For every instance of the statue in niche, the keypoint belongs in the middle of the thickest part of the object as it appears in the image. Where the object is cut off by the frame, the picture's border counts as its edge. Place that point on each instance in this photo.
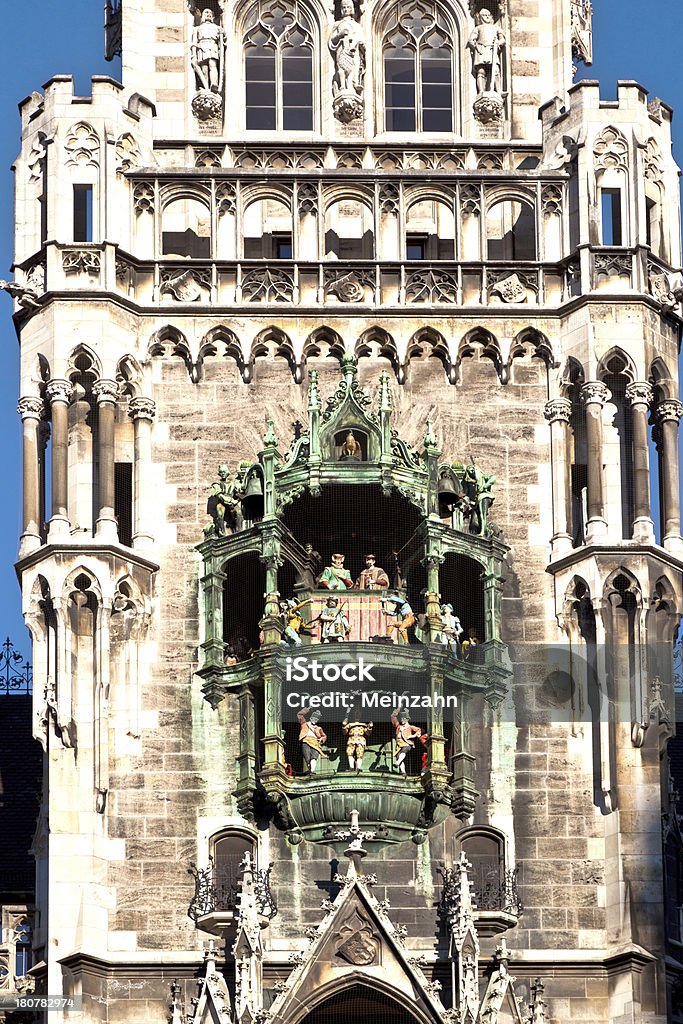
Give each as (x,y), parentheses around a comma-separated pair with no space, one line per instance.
(294,625)
(312,737)
(356,742)
(351,449)
(406,734)
(451,629)
(207,56)
(223,504)
(486,44)
(347,46)
(479,489)
(371,577)
(399,617)
(335,626)
(335,576)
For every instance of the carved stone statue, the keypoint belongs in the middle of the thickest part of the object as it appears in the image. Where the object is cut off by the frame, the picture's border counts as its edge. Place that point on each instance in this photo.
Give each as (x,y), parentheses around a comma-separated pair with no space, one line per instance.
(311,736)
(207,54)
(351,449)
(372,577)
(347,46)
(486,44)
(356,741)
(399,617)
(335,625)
(335,576)
(479,489)
(223,504)
(406,734)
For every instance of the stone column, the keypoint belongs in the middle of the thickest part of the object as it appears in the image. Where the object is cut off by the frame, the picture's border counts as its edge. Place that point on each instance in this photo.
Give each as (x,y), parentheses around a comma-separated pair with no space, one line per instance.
(640,396)
(106,392)
(31,410)
(59,394)
(142,411)
(558,412)
(595,394)
(668,414)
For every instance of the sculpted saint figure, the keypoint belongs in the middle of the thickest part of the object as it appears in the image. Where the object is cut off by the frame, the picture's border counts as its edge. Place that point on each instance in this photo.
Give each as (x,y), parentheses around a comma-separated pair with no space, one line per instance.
(356,741)
(311,736)
(347,46)
(486,43)
(207,53)
(372,577)
(335,576)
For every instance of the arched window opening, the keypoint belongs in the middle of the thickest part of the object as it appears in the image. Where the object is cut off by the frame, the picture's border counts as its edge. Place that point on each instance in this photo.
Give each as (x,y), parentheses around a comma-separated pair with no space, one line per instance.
(430,231)
(278,64)
(243,591)
(485,851)
(511,231)
(460,580)
(186,229)
(22,949)
(124,459)
(618,443)
(577,457)
(267,230)
(418,69)
(227,853)
(83,482)
(349,231)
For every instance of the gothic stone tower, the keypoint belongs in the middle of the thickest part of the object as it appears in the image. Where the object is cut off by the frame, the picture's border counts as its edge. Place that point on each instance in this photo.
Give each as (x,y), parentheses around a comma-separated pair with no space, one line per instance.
(416,292)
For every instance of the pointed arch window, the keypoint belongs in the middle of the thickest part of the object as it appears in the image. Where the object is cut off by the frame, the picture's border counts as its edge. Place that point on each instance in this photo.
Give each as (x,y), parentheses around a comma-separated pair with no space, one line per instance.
(418,69)
(278,65)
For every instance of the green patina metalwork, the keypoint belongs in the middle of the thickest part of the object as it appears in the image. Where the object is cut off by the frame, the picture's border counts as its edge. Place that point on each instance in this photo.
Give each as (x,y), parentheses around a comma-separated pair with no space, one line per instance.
(397,807)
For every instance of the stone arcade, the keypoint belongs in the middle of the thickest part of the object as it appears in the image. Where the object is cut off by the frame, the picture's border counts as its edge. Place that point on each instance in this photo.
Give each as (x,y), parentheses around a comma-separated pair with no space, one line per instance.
(345,328)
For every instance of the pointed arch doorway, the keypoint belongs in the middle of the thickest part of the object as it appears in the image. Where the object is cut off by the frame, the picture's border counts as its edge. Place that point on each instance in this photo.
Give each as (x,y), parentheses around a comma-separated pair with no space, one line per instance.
(359,1004)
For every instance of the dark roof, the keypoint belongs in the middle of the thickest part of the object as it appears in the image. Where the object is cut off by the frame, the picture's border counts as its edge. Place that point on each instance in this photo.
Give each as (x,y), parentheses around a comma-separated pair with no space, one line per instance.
(20,783)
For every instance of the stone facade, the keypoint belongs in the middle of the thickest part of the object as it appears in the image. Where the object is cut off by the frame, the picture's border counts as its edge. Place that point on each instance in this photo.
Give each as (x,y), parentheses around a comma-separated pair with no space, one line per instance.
(213,267)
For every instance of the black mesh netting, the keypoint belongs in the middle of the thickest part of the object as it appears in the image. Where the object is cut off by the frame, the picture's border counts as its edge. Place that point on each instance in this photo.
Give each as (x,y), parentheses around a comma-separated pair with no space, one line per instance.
(360,1005)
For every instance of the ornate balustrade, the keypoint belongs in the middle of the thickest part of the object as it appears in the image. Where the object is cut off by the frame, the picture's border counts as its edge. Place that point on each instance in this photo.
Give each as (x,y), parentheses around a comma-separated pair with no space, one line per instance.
(360,284)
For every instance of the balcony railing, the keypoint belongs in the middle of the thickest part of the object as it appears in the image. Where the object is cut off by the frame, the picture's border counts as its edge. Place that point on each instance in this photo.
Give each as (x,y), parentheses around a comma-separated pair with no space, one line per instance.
(16,675)
(217,891)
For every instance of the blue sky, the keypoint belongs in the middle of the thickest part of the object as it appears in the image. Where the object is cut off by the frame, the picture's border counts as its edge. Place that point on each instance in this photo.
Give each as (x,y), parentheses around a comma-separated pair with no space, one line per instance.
(47,38)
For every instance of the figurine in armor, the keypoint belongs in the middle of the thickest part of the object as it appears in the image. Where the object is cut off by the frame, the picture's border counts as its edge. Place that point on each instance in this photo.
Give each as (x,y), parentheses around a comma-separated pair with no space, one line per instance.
(406,734)
(399,617)
(485,45)
(313,559)
(335,576)
(451,629)
(334,623)
(312,737)
(295,626)
(371,577)
(356,741)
